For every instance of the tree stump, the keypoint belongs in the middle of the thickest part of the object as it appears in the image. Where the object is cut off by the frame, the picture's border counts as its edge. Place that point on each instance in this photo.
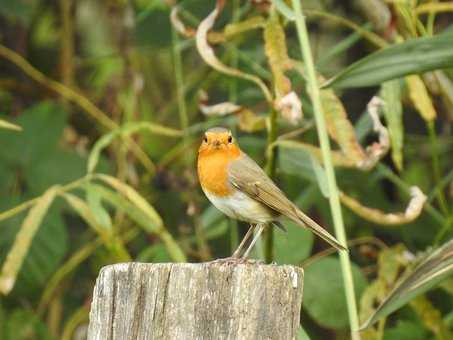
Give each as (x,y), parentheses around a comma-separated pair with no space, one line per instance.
(196,301)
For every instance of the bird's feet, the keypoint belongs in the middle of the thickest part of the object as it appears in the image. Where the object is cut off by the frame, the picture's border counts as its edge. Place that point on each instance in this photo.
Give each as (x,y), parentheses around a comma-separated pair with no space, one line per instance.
(236,260)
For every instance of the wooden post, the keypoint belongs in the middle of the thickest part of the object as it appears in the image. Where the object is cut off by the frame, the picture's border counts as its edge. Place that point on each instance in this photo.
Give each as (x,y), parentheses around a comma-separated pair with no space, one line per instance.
(183,301)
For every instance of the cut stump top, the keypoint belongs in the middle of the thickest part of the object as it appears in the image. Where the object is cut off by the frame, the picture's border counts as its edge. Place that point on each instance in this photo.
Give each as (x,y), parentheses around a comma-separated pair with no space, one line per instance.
(211,300)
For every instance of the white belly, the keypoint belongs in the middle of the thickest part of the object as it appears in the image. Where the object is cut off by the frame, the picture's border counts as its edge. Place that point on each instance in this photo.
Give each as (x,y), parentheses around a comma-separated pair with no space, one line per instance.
(242,207)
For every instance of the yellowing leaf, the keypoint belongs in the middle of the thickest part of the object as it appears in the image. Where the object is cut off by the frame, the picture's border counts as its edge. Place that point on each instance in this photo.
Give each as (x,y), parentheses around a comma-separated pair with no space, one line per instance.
(84,211)
(420,97)
(132,195)
(249,121)
(339,126)
(122,202)
(393,112)
(125,131)
(10,126)
(24,238)
(433,7)
(277,54)
(243,26)
(434,268)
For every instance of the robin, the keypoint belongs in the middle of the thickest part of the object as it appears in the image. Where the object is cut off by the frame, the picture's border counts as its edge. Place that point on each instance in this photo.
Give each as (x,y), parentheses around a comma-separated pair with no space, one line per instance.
(238,187)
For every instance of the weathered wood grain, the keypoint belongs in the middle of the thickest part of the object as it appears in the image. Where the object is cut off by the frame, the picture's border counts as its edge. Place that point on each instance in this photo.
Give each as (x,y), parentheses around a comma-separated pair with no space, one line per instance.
(196,301)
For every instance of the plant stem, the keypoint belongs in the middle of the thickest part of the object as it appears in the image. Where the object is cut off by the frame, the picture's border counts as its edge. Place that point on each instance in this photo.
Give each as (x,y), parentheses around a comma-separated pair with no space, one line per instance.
(184,123)
(270,169)
(183,118)
(234,54)
(334,199)
(436,167)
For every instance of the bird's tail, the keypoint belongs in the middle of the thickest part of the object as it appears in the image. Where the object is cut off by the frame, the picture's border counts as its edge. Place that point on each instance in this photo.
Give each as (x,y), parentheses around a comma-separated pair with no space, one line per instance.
(307,222)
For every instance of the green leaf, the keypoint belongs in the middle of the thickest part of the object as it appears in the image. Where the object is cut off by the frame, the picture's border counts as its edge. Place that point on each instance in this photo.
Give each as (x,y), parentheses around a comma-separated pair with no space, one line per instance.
(431,271)
(293,246)
(155,19)
(405,330)
(24,324)
(55,167)
(393,112)
(410,57)
(302,335)
(84,211)
(47,250)
(42,126)
(23,241)
(320,176)
(324,298)
(21,10)
(296,161)
(155,253)
(100,214)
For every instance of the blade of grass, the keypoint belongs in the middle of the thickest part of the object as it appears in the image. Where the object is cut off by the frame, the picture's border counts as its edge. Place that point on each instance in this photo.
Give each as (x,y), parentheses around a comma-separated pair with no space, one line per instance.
(10,126)
(341,47)
(330,173)
(413,56)
(177,64)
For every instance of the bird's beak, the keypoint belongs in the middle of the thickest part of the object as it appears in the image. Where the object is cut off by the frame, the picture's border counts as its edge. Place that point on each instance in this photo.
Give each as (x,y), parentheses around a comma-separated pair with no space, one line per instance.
(217,144)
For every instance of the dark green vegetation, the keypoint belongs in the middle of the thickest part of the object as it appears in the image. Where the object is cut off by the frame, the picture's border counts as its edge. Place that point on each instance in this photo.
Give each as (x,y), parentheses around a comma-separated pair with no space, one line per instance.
(102,106)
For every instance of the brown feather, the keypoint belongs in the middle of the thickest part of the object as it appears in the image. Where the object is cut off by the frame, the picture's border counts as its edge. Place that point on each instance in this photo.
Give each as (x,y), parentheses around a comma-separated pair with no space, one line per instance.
(247,176)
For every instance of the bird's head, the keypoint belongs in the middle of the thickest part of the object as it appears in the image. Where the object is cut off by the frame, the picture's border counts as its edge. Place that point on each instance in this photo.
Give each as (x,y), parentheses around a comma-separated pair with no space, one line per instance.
(218,140)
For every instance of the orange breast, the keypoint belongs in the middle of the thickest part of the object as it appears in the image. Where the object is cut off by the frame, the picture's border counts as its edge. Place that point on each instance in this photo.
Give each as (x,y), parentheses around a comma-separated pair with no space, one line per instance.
(212,171)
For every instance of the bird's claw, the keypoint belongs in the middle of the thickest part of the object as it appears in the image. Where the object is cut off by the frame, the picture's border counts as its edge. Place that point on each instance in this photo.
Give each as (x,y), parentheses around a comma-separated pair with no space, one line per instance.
(236,260)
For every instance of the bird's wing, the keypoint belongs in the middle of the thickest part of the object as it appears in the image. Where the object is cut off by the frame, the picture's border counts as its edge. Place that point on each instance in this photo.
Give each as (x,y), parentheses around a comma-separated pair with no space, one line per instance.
(247,176)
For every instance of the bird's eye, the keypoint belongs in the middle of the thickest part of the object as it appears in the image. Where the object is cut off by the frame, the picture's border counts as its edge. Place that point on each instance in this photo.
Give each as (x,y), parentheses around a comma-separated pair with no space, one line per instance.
(230,139)
(205,139)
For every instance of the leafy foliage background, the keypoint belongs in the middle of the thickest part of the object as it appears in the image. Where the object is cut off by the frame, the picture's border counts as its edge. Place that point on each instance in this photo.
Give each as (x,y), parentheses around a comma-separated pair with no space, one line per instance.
(110,87)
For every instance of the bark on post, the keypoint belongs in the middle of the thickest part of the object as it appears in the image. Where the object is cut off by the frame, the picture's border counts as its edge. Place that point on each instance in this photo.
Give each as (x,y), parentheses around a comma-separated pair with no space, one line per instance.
(196,301)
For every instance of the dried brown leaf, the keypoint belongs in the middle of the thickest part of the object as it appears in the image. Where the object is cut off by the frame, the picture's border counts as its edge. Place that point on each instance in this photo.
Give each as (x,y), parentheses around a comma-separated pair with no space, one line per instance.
(413,210)
(290,107)
(208,55)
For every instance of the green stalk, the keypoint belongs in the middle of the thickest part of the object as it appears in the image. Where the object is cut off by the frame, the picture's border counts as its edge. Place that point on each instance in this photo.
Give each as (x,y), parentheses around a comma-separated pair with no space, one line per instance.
(270,169)
(234,55)
(234,230)
(436,167)
(430,22)
(183,118)
(330,173)
(184,123)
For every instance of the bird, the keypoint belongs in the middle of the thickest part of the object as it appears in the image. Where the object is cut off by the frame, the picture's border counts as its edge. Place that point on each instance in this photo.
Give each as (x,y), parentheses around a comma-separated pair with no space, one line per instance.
(236,185)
